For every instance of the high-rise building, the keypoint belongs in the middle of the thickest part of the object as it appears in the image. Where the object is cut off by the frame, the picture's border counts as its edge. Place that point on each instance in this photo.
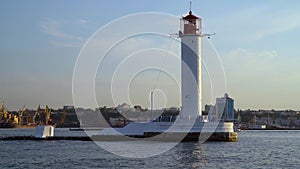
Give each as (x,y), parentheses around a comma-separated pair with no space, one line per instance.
(225,108)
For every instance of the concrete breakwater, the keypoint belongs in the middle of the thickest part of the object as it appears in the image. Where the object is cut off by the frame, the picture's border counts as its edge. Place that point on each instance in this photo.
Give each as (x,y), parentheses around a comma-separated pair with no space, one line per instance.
(164,137)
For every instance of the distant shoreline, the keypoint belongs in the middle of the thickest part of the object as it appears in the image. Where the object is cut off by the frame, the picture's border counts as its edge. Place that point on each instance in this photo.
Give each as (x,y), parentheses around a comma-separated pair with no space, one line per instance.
(279,129)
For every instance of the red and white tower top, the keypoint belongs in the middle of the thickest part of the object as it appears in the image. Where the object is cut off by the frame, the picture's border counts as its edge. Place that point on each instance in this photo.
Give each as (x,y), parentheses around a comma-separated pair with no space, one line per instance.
(190,25)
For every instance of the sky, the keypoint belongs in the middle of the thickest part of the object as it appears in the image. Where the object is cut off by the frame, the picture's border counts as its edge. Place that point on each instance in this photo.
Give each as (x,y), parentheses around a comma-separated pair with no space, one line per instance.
(257,42)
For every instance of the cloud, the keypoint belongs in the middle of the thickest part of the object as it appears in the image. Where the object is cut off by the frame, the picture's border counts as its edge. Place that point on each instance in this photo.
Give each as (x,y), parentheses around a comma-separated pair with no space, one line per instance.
(54,28)
(278,22)
(270,67)
(246,66)
(66,44)
(258,21)
(83,21)
(244,56)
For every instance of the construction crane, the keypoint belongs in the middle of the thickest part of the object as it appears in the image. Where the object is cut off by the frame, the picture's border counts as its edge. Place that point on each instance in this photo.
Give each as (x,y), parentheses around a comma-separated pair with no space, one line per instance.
(20,115)
(48,113)
(35,114)
(4,111)
(63,116)
(6,116)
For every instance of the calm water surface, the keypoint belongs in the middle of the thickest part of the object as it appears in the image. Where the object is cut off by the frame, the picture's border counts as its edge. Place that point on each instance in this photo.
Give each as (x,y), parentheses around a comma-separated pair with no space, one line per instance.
(255,149)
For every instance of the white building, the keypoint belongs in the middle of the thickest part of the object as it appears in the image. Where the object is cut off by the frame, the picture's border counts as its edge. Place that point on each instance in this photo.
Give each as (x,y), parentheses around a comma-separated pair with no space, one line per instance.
(223,109)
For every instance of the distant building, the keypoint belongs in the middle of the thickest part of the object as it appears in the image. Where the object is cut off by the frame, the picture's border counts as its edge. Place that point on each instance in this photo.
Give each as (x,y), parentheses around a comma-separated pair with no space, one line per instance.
(262,126)
(124,106)
(229,108)
(68,108)
(212,113)
(207,108)
(223,110)
(173,109)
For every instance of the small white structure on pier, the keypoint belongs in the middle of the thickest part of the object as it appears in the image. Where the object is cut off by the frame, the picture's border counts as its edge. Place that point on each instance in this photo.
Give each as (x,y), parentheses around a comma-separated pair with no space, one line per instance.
(44,131)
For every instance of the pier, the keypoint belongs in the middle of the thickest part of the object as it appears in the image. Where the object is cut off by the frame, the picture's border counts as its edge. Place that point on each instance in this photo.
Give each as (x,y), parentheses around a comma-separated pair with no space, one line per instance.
(162,137)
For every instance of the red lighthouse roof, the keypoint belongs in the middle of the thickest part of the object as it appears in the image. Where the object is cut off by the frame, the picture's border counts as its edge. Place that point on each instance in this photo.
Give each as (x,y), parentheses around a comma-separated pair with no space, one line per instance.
(190,16)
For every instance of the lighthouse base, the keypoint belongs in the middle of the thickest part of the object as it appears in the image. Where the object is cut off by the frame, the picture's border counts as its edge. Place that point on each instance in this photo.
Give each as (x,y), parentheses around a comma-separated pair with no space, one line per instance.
(162,131)
(191,137)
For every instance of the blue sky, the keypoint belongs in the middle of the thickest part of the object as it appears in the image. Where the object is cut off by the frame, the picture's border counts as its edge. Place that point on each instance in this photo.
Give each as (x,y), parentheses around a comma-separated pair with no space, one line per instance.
(257,42)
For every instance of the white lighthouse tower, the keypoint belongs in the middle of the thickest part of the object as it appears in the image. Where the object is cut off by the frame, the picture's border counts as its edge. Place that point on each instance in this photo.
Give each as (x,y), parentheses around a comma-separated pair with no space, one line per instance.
(189,127)
(191,88)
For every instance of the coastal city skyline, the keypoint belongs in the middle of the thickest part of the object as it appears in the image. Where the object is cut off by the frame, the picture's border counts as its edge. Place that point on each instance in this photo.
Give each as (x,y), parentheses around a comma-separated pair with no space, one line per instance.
(255,41)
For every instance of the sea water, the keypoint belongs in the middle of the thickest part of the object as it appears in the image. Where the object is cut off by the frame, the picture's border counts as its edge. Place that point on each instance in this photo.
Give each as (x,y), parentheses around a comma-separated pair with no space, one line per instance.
(255,149)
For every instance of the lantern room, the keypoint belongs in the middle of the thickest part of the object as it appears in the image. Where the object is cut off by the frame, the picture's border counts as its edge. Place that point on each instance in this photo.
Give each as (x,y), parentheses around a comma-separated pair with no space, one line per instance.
(190,25)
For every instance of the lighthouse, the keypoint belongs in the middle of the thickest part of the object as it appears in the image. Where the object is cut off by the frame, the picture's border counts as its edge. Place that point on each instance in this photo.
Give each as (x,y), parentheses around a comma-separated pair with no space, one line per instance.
(191,88)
